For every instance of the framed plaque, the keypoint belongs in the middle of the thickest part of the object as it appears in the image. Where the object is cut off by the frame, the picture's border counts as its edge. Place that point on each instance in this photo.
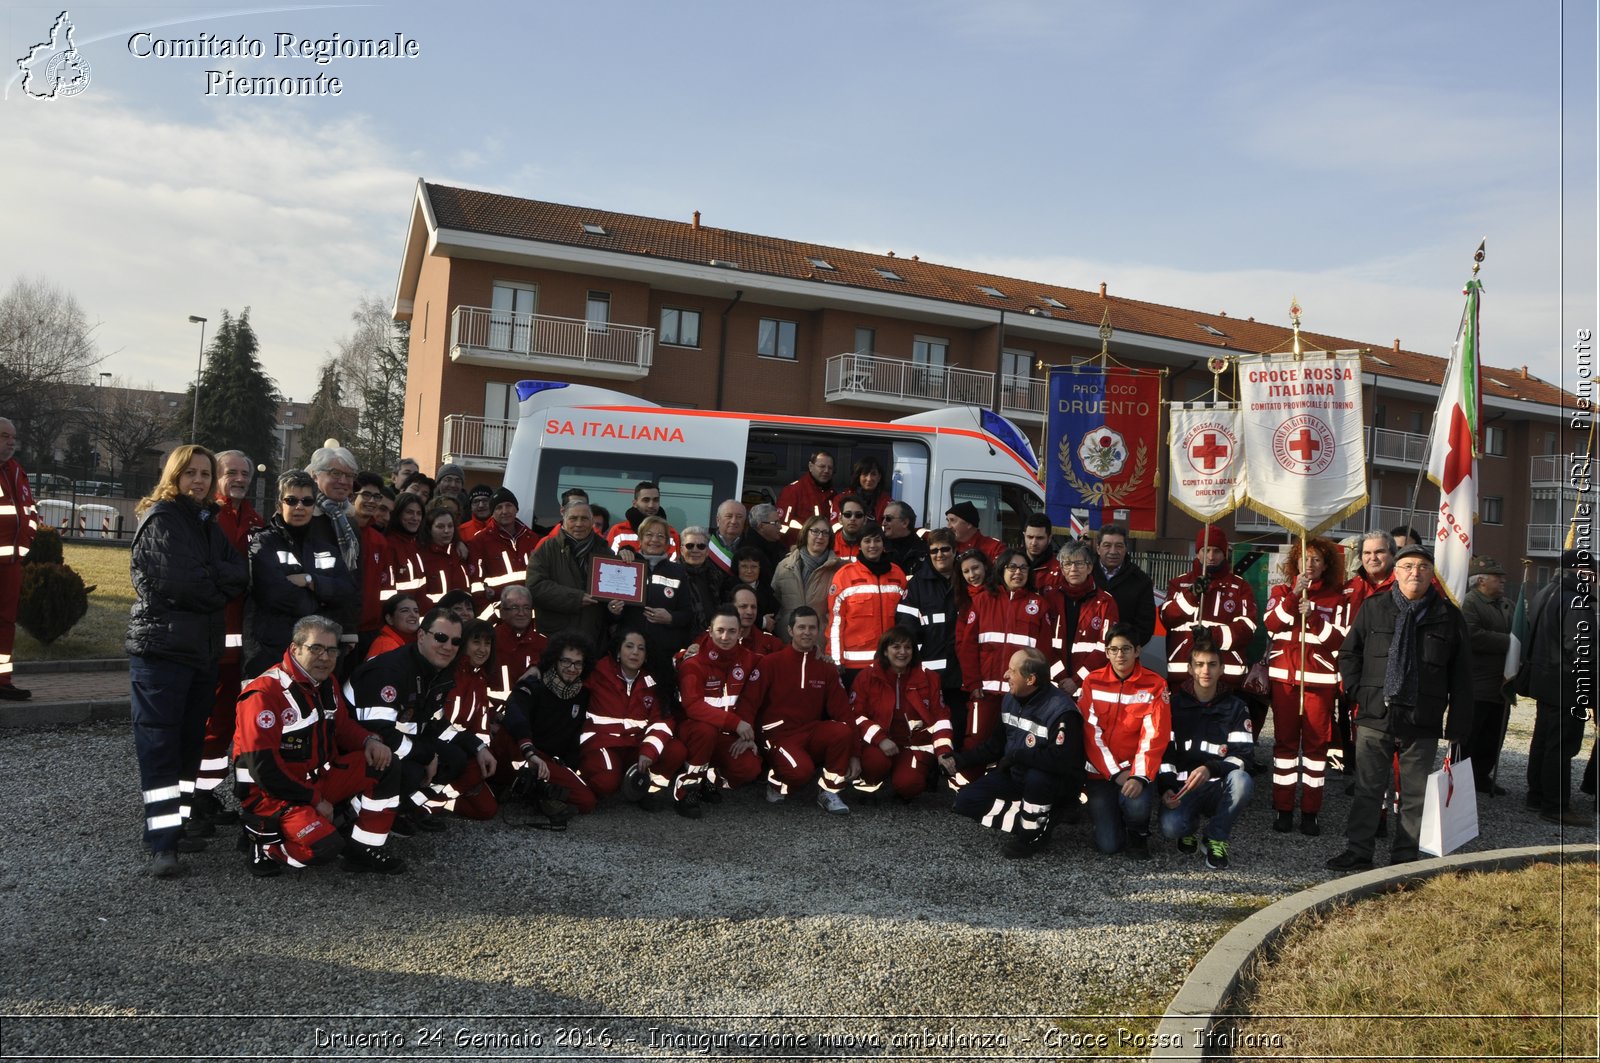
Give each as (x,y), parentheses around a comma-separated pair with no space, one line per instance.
(611,579)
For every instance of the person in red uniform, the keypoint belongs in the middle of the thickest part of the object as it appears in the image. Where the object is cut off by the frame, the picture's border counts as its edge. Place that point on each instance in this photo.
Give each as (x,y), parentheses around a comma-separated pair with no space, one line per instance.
(1209,595)
(809,496)
(1127,725)
(862,603)
(852,520)
(801,716)
(298,755)
(1003,618)
(19,520)
(1086,613)
(468,710)
(406,575)
(1307,617)
(500,550)
(377,558)
(962,519)
(624,534)
(480,506)
(1044,568)
(237,518)
(442,566)
(401,618)
(718,725)
(628,733)
(517,643)
(901,719)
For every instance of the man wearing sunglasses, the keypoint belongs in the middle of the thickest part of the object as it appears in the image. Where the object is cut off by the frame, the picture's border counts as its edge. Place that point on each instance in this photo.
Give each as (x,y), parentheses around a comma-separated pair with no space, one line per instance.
(402,696)
(299,755)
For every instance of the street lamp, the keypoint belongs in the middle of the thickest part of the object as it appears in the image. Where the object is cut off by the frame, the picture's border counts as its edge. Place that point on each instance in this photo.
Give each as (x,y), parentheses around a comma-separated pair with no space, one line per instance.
(194,417)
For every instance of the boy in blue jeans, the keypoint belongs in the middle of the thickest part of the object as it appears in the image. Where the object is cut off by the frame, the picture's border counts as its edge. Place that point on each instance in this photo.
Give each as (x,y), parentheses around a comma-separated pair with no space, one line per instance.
(1206,767)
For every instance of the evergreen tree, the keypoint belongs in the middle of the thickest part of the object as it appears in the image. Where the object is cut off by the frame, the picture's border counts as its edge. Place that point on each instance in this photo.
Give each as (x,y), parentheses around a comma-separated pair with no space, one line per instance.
(326,417)
(383,402)
(238,400)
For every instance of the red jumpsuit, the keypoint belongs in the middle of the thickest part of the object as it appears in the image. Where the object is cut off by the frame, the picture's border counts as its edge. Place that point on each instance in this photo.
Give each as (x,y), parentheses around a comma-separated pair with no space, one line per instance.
(1304,655)
(800,718)
(626,718)
(715,686)
(993,629)
(236,522)
(296,746)
(500,560)
(466,708)
(1227,608)
(861,607)
(909,711)
(802,500)
(514,654)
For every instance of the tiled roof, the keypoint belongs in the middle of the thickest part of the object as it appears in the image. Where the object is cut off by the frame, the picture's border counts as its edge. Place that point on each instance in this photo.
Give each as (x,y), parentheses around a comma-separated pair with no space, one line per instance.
(530,219)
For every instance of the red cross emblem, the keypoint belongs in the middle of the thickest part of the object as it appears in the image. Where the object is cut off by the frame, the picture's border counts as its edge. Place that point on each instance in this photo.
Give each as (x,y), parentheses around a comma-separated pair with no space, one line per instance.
(1210,452)
(1305,446)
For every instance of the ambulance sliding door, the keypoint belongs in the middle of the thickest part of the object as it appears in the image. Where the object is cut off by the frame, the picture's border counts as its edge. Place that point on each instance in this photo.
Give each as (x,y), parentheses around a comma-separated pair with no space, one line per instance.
(690,488)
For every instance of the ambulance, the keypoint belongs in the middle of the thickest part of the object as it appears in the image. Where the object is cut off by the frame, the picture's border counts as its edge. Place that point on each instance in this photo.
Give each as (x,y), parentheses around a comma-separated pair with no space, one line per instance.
(605,442)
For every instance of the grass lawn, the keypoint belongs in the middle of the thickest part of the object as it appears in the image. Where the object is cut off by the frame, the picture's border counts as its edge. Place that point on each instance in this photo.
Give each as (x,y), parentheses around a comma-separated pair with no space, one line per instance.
(1484,965)
(101,631)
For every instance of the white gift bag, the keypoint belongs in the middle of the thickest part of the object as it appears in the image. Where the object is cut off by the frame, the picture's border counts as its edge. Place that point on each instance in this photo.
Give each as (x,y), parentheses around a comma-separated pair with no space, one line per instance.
(1450,809)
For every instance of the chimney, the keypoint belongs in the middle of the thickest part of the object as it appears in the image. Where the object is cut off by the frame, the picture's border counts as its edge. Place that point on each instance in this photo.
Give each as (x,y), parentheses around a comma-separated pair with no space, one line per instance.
(1102,289)
(1397,345)
(697,219)
(1249,319)
(1222,313)
(1524,372)
(891,254)
(916,258)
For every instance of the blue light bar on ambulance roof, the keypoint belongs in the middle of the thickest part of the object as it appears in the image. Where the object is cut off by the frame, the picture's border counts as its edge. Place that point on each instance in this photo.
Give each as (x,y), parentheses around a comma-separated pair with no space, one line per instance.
(1008,434)
(533,387)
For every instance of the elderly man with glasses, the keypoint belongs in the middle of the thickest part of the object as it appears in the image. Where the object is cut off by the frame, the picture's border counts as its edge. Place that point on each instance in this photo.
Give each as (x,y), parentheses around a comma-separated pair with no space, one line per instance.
(334,469)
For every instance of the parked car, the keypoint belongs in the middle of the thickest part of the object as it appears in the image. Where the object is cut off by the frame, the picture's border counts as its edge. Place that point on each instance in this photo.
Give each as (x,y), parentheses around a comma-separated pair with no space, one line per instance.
(96,487)
(49,485)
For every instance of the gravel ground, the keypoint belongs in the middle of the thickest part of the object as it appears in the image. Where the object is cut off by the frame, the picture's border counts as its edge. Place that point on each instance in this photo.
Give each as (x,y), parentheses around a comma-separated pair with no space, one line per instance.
(758,931)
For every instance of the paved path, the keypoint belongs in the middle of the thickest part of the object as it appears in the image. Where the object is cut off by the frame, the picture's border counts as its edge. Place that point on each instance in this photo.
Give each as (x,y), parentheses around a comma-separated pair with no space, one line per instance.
(72,692)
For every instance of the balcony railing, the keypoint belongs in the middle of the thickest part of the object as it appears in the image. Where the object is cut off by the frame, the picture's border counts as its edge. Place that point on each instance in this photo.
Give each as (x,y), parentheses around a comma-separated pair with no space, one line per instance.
(483,336)
(1249,521)
(1558,470)
(1023,397)
(477,441)
(1388,447)
(874,381)
(1546,538)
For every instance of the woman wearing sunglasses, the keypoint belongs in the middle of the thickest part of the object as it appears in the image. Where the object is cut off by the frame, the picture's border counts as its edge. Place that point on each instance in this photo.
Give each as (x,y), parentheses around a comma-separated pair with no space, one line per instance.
(295,570)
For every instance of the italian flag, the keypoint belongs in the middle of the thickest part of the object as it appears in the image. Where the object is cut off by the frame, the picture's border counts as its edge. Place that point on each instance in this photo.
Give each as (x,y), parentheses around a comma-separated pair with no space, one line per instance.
(1453,456)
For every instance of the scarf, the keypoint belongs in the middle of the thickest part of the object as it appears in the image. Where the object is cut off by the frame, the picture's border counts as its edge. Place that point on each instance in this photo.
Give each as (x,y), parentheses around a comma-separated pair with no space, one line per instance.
(1087,589)
(1400,673)
(880,567)
(579,547)
(810,562)
(349,541)
(564,691)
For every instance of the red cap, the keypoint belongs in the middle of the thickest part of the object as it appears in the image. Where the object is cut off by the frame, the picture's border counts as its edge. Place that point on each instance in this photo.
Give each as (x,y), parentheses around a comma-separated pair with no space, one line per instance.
(1210,535)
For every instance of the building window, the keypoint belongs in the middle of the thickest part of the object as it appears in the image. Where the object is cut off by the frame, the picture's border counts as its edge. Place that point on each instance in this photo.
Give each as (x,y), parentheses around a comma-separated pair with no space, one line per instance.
(1380,415)
(597,311)
(1491,509)
(500,401)
(511,310)
(1419,422)
(926,350)
(866,340)
(681,328)
(776,339)
(1494,441)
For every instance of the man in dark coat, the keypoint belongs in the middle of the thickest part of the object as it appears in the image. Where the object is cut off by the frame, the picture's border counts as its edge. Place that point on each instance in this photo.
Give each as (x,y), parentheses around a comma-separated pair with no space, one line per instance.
(558,578)
(1562,649)
(1126,582)
(1488,617)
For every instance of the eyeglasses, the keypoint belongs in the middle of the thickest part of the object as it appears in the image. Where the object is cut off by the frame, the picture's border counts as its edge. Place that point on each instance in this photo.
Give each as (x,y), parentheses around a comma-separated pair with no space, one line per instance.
(370,496)
(441,638)
(294,500)
(1080,563)
(853,515)
(939,550)
(319,650)
(1119,650)
(568,662)
(507,607)
(337,474)
(694,546)
(1016,568)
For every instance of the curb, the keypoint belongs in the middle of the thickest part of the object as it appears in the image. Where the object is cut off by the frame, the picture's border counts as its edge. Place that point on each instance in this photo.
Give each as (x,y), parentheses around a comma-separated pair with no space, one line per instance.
(101,664)
(40,716)
(1196,1023)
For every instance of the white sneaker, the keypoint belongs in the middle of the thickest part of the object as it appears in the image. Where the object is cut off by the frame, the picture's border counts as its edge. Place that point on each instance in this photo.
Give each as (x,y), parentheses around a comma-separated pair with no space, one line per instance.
(831,803)
(775,796)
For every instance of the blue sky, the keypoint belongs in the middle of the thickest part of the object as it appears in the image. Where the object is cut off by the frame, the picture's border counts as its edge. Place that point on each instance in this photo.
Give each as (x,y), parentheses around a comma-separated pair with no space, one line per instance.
(1222,157)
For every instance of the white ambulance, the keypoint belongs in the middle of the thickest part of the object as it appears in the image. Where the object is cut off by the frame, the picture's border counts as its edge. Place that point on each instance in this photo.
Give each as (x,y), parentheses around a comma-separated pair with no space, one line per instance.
(605,442)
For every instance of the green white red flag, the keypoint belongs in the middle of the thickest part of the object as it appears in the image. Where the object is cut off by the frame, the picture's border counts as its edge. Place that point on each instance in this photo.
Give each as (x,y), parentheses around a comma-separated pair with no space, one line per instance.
(1453,455)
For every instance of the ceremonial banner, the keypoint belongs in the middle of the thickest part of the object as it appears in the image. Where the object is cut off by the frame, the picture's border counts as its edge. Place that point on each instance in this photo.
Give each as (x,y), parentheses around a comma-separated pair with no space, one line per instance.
(1102,433)
(1453,456)
(1306,451)
(1206,462)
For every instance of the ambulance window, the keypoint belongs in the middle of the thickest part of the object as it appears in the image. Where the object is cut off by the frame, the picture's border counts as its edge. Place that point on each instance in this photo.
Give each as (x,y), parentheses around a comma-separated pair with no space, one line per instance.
(690,491)
(1002,508)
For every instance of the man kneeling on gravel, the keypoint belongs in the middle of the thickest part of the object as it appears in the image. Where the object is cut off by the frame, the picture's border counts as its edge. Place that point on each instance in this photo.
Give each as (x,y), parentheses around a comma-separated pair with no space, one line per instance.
(1206,768)
(1039,749)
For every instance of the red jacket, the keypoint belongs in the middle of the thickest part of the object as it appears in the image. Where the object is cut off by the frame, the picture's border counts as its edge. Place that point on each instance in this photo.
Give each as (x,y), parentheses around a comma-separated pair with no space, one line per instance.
(500,559)
(990,547)
(713,685)
(467,707)
(799,502)
(861,607)
(236,522)
(471,527)
(406,575)
(1127,723)
(289,729)
(995,626)
(845,549)
(19,518)
(755,640)
(443,572)
(907,709)
(388,639)
(1309,653)
(514,654)
(623,537)
(797,690)
(376,573)
(1084,648)
(1227,609)
(623,714)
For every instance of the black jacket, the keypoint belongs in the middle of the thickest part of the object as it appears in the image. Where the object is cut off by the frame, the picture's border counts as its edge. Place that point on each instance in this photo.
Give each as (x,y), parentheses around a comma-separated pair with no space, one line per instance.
(665,587)
(402,698)
(1212,734)
(554,725)
(1444,680)
(184,572)
(1044,733)
(277,552)
(1135,596)
(1562,644)
(928,609)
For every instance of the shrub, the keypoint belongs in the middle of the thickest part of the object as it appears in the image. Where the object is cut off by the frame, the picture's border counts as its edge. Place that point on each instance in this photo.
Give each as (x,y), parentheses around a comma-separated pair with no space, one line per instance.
(53,599)
(46,548)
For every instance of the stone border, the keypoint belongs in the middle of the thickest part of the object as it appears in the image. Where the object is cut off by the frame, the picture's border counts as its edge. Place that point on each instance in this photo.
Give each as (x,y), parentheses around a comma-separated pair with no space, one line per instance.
(98,664)
(1203,1001)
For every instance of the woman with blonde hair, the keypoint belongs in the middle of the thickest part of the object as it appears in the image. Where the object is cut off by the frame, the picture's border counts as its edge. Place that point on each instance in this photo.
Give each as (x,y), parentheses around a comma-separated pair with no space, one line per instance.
(804,576)
(184,573)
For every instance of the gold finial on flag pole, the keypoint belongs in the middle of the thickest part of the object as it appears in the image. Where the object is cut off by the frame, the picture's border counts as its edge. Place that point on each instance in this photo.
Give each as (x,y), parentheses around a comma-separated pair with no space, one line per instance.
(1294,319)
(1105,336)
(1478,255)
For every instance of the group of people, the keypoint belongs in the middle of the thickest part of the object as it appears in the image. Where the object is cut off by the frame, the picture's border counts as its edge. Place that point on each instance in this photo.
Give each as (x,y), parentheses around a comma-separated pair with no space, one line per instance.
(373,657)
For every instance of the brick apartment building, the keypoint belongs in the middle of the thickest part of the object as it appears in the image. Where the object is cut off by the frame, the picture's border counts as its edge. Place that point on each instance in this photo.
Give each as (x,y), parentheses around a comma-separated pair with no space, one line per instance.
(499,289)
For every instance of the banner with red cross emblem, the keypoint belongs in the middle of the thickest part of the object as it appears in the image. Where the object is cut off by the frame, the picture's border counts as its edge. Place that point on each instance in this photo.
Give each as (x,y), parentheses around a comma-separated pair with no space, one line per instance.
(1306,454)
(1206,459)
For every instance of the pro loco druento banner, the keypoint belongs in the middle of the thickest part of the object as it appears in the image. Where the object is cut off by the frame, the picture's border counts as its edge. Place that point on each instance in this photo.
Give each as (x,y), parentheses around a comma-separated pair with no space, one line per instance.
(1102,433)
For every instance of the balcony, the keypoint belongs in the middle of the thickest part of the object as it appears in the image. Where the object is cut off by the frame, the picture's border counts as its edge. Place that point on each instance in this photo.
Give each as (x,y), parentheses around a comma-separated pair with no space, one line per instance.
(1248,521)
(1547,540)
(868,380)
(477,443)
(1558,470)
(504,340)
(1022,398)
(1401,450)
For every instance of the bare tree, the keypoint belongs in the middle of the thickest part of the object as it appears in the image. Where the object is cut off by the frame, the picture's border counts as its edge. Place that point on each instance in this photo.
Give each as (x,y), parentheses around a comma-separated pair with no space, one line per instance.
(46,347)
(372,376)
(131,422)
